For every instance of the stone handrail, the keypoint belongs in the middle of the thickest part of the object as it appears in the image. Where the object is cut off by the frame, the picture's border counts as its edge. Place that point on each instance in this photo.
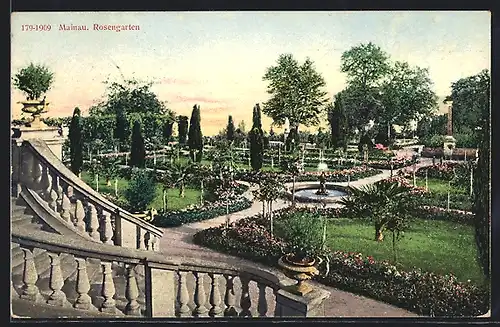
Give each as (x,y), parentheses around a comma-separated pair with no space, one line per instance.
(39,169)
(162,280)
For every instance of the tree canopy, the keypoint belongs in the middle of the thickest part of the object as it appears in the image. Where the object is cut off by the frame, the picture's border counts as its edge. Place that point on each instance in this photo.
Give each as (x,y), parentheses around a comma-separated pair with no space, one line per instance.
(296,92)
(383,91)
(195,138)
(34,80)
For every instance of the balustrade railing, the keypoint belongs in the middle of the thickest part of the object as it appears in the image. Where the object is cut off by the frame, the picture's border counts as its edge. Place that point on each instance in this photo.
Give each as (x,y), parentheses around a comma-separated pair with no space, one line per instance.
(37,171)
(134,282)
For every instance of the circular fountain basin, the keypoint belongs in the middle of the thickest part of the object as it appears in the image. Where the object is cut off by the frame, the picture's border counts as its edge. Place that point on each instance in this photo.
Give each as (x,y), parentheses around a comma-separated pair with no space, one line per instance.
(307,193)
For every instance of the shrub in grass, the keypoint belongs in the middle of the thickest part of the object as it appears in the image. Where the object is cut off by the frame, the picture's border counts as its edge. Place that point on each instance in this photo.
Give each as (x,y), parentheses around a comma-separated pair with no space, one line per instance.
(141,190)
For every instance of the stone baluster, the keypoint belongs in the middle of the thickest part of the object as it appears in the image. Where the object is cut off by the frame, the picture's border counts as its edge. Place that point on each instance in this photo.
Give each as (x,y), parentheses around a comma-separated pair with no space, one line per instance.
(70,192)
(83,301)
(230,297)
(245,301)
(36,175)
(59,200)
(26,167)
(45,183)
(79,216)
(107,230)
(108,289)
(215,297)
(132,293)
(51,192)
(141,242)
(56,282)
(65,208)
(29,289)
(262,306)
(154,243)
(93,222)
(199,295)
(148,240)
(184,310)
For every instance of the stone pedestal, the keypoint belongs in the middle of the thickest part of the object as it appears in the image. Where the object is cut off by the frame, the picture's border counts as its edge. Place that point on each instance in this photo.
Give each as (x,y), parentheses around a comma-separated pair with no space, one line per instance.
(448,145)
(49,134)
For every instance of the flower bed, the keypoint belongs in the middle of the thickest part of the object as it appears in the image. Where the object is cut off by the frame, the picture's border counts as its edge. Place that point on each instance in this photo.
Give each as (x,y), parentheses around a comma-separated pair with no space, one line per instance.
(438,213)
(440,170)
(424,293)
(386,164)
(355,173)
(196,213)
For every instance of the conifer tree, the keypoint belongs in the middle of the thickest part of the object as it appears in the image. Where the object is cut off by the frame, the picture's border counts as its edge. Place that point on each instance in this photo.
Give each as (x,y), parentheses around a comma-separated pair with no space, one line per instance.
(76,144)
(137,151)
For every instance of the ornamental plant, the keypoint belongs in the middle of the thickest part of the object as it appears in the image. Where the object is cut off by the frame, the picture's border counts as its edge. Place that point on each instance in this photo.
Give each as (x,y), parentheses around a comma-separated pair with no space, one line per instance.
(34,81)
(141,190)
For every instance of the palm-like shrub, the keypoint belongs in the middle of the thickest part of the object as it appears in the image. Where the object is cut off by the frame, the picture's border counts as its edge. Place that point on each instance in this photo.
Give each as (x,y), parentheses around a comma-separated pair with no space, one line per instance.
(178,174)
(381,202)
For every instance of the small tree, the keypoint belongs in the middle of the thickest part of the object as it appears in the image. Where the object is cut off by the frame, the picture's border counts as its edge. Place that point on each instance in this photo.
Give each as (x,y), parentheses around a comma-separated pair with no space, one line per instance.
(109,166)
(230,129)
(293,167)
(256,140)
(76,144)
(178,174)
(138,151)
(182,125)
(271,186)
(195,139)
(141,190)
(34,81)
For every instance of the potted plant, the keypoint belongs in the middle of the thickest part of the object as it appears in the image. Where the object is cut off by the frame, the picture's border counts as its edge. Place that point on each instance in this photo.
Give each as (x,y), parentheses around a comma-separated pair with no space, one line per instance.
(301,264)
(34,81)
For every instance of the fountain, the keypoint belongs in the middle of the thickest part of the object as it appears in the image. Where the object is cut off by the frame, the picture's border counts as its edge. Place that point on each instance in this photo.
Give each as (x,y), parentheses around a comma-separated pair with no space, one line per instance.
(322,166)
(322,185)
(324,194)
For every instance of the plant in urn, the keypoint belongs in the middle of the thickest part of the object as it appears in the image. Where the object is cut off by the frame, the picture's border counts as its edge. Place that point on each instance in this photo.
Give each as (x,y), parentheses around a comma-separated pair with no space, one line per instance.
(300,265)
(34,81)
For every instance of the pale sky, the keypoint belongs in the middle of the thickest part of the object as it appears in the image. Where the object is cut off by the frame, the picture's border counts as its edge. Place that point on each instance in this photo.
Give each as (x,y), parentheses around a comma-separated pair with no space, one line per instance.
(217,59)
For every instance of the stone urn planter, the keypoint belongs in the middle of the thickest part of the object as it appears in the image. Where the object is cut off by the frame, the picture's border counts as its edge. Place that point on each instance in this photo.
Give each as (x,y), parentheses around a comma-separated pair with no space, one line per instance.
(301,269)
(35,108)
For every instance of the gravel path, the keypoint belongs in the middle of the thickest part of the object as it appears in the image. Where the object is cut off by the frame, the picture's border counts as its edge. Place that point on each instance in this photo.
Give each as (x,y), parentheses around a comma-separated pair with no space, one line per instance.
(178,242)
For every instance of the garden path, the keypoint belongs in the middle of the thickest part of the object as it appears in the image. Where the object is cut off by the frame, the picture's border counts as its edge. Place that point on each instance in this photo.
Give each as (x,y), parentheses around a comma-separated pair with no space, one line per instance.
(178,241)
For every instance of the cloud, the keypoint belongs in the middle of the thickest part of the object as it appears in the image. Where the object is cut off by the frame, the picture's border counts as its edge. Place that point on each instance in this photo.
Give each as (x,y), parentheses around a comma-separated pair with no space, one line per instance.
(176,81)
(194,99)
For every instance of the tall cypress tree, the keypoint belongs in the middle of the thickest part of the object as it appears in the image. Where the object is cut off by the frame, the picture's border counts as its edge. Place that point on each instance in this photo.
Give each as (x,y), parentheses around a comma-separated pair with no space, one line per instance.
(182,125)
(230,129)
(122,132)
(256,140)
(338,123)
(195,138)
(167,131)
(76,144)
(137,151)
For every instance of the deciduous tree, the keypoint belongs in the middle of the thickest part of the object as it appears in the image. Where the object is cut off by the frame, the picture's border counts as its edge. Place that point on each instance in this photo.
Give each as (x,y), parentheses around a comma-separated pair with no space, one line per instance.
(296,92)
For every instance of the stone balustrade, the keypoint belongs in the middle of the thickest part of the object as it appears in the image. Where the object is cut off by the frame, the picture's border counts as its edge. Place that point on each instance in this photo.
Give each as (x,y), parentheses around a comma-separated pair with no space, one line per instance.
(38,172)
(139,283)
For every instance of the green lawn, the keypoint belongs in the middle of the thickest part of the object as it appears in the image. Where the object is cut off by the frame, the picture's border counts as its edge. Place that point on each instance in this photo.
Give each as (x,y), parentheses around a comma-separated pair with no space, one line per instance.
(175,202)
(438,186)
(437,246)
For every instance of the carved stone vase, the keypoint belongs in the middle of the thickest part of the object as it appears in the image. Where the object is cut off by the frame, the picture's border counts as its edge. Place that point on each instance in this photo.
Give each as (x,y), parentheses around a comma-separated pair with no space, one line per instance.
(300,269)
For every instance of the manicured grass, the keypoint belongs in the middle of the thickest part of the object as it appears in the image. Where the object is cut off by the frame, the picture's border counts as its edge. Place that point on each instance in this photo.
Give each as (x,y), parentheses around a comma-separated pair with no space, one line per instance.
(174,201)
(437,246)
(438,186)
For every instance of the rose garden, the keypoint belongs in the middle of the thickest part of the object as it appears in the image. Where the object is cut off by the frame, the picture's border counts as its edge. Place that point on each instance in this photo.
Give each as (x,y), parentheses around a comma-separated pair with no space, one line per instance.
(409,225)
